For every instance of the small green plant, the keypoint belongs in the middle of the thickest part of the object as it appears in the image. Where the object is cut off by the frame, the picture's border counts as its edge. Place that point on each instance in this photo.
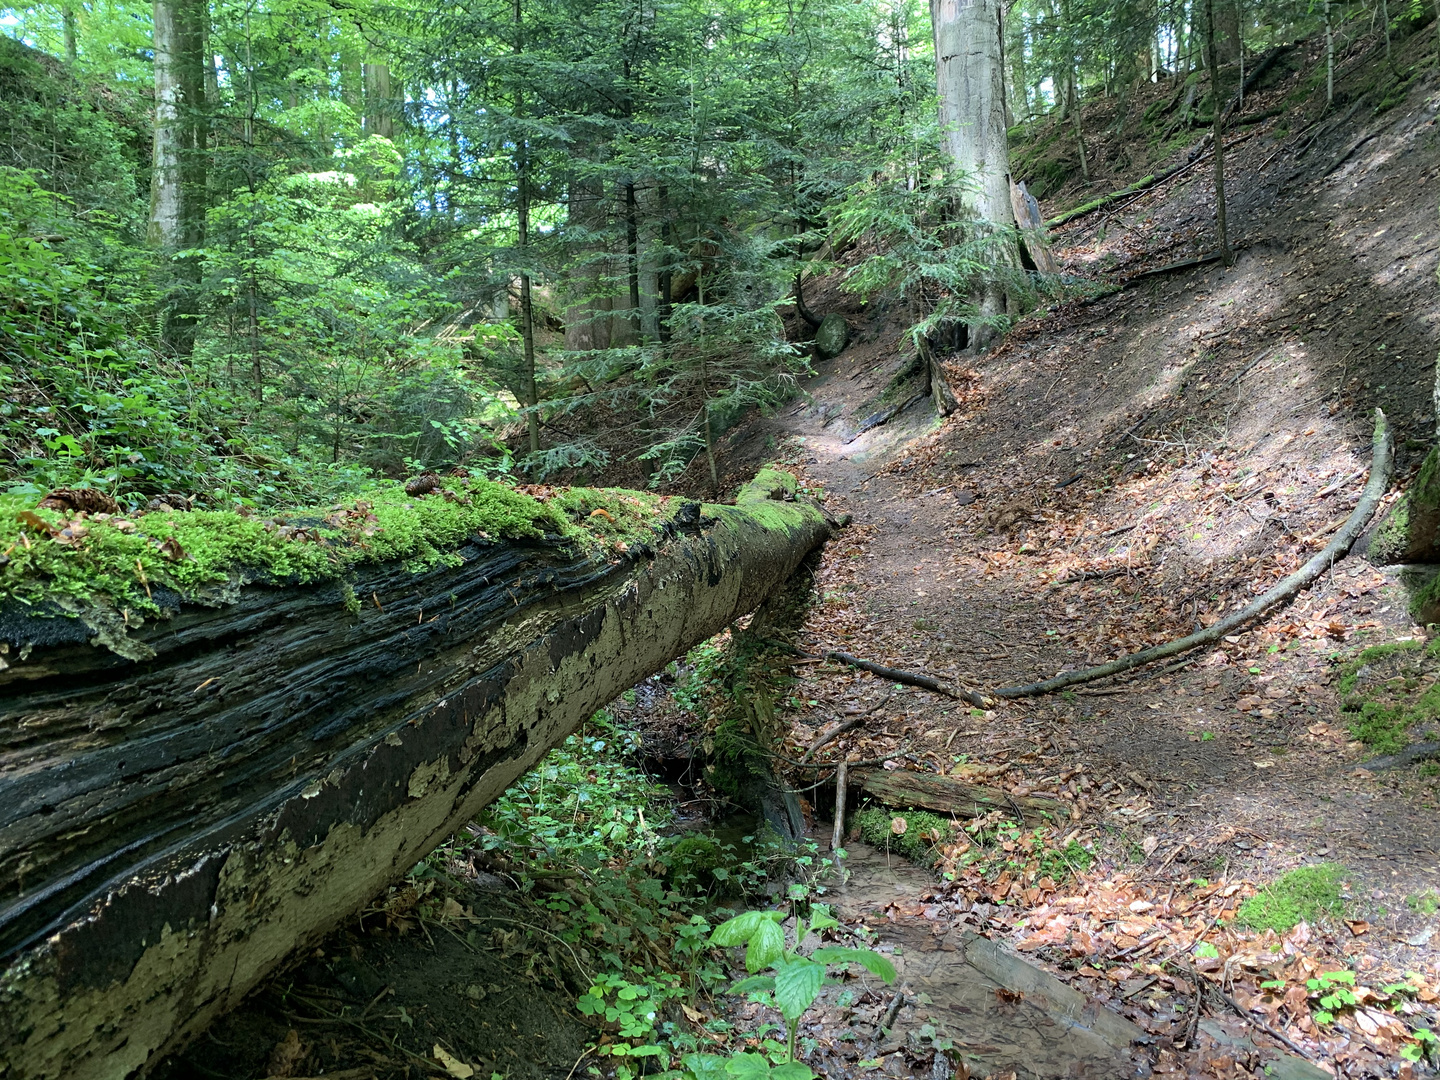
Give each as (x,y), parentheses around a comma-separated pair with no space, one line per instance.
(1425,1045)
(1425,903)
(797,979)
(1334,991)
(1303,895)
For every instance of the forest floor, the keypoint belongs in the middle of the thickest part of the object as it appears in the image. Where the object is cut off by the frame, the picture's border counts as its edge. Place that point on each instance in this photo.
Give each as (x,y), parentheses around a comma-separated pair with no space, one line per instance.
(1120,471)
(1123,439)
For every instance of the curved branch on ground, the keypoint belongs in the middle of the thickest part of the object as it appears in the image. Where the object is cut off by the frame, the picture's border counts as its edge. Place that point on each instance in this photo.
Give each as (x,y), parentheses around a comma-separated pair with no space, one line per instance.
(1283,591)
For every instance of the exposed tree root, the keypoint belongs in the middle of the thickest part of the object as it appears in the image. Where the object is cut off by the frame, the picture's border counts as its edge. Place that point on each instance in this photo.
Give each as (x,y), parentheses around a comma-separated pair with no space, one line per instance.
(1282,592)
(1416,752)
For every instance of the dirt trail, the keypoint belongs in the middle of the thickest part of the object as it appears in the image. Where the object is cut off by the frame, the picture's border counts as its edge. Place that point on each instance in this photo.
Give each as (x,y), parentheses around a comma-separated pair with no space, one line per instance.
(1123,438)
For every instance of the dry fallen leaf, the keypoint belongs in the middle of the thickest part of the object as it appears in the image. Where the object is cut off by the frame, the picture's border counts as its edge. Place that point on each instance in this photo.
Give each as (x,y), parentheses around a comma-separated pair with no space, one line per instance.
(453,1065)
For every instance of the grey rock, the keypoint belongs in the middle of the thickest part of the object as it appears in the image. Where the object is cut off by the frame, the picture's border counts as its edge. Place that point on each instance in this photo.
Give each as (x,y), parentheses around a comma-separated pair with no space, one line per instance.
(832,336)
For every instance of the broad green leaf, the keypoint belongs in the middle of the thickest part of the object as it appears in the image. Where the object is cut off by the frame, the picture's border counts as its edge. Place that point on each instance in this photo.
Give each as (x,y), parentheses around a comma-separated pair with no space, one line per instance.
(767,945)
(870,960)
(706,1066)
(820,918)
(752,984)
(797,984)
(737,931)
(792,1070)
(748,1067)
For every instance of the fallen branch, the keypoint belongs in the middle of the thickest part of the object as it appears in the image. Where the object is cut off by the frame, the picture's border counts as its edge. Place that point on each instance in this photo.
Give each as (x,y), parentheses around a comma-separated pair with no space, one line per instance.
(1247,1015)
(832,732)
(909,678)
(836,730)
(884,416)
(1281,592)
(1182,264)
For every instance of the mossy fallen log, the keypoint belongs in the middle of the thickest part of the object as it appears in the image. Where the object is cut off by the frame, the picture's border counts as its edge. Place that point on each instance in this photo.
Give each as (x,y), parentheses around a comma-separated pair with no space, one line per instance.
(947,795)
(185,801)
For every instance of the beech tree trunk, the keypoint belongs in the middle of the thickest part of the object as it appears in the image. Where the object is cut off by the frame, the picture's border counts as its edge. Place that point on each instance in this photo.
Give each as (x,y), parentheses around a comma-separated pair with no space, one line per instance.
(379,108)
(177,182)
(173,827)
(970,79)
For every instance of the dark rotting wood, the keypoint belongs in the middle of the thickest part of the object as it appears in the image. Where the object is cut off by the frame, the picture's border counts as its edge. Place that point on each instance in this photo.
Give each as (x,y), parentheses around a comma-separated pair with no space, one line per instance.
(947,795)
(173,828)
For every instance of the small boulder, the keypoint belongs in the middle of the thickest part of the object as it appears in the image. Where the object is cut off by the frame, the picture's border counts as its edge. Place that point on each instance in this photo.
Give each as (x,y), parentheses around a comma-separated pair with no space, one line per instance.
(832,336)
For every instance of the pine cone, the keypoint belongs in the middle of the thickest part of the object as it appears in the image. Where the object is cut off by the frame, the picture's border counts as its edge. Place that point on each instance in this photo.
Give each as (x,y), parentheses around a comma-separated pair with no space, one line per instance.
(78,500)
(460,471)
(423,484)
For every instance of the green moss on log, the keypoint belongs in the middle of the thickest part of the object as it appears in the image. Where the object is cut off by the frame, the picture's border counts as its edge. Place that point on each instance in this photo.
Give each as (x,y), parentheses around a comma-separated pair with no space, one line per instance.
(117,561)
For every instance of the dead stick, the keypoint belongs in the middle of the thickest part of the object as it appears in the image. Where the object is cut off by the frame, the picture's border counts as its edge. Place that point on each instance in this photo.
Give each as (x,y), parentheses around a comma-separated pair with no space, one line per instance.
(1282,591)
(832,732)
(839,729)
(909,678)
(838,836)
(1245,1014)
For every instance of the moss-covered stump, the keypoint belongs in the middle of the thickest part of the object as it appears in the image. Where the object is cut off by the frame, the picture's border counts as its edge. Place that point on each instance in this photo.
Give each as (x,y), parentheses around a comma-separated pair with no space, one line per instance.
(187,799)
(1410,532)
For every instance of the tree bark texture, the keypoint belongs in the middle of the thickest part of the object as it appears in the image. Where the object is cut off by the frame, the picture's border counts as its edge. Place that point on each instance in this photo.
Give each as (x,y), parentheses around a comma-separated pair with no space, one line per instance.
(970,80)
(178,176)
(172,829)
(946,795)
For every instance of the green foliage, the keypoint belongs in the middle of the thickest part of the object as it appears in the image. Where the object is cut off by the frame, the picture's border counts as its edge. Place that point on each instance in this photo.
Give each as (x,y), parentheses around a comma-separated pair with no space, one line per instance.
(584,805)
(798,978)
(1304,894)
(1334,991)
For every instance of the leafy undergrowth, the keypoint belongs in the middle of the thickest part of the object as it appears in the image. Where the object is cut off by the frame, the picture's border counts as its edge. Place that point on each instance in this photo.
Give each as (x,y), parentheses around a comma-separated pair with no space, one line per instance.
(121,558)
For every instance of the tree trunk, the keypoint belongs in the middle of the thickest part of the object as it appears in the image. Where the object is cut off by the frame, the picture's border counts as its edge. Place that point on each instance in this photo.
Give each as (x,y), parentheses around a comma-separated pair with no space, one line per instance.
(1329,56)
(67,23)
(173,827)
(527,307)
(1218,136)
(970,79)
(177,181)
(379,109)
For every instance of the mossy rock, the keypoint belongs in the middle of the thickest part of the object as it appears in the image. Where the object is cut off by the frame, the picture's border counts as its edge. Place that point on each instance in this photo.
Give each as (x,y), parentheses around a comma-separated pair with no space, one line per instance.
(1388,689)
(1410,532)
(832,336)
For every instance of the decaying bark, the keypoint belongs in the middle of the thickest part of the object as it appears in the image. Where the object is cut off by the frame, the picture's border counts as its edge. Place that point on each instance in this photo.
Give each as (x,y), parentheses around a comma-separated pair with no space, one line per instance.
(172,829)
(946,795)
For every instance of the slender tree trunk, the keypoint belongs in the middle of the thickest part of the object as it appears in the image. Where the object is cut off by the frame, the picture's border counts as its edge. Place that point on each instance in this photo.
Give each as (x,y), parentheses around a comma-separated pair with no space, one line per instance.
(1330,53)
(1080,142)
(970,80)
(632,254)
(1385,19)
(178,185)
(527,309)
(67,22)
(1218,134)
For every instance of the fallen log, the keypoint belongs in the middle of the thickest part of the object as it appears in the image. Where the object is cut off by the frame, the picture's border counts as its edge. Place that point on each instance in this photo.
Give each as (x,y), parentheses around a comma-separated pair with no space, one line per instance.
(187,800)
(946,795)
